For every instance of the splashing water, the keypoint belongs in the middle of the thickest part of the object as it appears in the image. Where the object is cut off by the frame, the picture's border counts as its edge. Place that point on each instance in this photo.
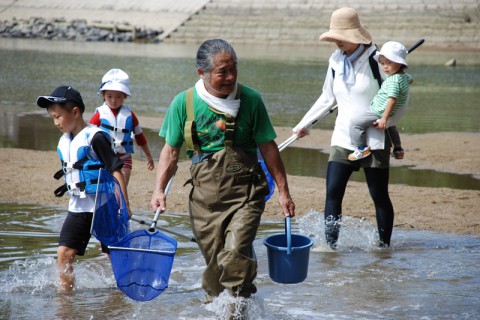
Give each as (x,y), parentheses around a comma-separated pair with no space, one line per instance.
(40,274)
(355,233)
(32,275)
(226,306)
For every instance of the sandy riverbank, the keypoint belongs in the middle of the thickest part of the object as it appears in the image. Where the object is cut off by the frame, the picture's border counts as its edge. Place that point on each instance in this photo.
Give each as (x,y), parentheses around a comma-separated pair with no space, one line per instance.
(436,209)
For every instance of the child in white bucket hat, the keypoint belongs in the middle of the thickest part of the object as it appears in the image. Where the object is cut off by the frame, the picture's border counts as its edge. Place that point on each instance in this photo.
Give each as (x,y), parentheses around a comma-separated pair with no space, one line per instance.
(115,80)
(392,95)
(119,120)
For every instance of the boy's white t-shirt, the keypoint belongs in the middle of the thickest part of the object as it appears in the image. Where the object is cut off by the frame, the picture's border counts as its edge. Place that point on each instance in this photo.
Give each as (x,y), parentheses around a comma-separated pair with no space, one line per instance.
(77,204)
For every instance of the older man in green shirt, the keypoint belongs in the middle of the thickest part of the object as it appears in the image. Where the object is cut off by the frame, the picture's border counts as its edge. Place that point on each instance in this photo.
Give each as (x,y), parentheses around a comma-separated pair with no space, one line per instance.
(224,124)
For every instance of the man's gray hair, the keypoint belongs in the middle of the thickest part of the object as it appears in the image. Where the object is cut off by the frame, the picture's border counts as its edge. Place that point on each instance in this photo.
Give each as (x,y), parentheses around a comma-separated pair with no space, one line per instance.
(208,50)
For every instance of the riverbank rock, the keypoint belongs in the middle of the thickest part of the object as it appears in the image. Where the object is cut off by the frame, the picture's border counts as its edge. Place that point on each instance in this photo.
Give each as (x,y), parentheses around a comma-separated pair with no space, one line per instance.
(77,30)
(451,63)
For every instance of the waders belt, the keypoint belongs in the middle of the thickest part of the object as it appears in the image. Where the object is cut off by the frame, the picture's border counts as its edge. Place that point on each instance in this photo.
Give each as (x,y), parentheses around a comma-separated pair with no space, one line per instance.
(203,156)
(200,157)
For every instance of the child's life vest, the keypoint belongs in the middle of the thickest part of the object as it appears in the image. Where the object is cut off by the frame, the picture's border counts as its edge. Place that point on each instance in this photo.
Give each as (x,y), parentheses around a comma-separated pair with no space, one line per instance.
(120,127)
(80,164)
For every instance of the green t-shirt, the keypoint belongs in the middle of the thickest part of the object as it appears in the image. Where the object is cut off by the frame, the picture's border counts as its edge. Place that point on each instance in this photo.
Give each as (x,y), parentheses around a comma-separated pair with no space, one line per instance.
(252,124)
(396,86)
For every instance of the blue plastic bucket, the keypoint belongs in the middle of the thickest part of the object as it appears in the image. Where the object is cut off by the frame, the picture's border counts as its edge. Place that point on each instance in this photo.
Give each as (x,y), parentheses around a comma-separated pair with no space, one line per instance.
(288,256)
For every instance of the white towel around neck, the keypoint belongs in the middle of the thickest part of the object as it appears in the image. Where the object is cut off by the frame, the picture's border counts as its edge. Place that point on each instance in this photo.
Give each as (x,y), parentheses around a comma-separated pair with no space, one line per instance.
(228,105)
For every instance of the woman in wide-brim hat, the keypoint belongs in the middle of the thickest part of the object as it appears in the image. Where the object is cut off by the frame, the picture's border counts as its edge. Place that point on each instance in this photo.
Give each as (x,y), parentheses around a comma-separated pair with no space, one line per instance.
(345,26)
(350,84)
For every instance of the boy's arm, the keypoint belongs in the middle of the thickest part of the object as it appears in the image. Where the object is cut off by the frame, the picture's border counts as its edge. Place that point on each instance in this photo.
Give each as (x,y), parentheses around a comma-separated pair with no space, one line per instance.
(142,143)
(121,181)
(148,155)
(382,122)
(102,147)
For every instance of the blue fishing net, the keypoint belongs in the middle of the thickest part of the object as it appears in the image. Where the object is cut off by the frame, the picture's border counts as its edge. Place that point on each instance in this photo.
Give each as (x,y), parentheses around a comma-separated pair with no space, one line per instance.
(142,262)
(271,182)
(110,218)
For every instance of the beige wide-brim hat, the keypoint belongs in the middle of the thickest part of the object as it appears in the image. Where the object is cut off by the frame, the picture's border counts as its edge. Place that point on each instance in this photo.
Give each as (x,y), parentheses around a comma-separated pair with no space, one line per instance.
(345,26)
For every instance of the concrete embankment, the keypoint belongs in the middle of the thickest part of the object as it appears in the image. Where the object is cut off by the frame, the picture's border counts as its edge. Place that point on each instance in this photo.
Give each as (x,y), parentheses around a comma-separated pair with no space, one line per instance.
(445,24)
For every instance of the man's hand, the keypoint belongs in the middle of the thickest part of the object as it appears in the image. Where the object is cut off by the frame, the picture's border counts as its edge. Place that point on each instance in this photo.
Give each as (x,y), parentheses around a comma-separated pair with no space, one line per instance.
(159,200)
(287,205)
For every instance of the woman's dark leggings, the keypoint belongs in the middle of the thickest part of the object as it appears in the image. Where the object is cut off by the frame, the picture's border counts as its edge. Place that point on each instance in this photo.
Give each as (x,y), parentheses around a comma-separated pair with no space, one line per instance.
(338,175)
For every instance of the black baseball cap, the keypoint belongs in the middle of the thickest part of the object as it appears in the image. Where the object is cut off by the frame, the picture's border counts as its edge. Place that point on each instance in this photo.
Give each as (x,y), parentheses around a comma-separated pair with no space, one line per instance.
(60,95)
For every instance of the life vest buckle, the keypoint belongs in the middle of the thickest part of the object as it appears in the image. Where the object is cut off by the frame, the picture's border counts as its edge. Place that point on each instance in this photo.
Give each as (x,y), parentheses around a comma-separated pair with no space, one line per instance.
(67,169)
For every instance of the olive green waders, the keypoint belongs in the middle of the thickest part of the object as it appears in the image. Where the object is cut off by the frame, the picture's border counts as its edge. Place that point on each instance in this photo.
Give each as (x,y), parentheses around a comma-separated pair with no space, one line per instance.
(226,204)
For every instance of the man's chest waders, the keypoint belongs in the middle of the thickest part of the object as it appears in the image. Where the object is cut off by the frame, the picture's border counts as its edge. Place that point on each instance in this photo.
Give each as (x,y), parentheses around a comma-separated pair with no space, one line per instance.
(226,204)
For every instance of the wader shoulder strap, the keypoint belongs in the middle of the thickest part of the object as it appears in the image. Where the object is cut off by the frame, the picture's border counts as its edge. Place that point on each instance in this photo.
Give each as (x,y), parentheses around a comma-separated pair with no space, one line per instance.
(229,131)
(230,122)
(239,91)
(190,131)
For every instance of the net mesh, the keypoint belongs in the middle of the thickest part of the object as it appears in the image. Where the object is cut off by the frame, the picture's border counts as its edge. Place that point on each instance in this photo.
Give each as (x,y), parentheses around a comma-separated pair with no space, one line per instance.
(142,262)
(110,218)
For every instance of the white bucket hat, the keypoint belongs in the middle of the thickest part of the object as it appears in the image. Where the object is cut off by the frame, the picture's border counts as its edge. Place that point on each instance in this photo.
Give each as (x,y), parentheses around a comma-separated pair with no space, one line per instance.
(115,80)
(393,51)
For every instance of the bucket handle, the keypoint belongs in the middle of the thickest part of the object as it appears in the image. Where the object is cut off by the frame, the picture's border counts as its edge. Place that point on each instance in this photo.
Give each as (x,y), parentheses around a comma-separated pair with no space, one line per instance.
(288,232)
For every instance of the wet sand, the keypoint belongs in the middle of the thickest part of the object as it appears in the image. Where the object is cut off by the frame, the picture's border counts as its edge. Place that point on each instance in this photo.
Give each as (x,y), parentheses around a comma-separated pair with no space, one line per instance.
(30,181)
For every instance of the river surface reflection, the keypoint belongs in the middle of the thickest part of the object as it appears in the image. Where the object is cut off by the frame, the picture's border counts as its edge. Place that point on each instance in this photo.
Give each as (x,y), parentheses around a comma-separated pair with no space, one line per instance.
(35,131)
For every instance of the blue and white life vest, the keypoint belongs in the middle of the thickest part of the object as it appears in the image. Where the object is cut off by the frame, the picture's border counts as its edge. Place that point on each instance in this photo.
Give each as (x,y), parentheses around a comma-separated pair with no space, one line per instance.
(80,164)
(120,127)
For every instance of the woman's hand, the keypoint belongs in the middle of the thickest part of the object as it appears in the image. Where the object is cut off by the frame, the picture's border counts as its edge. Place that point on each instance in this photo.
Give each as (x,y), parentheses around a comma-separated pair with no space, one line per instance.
(301,133)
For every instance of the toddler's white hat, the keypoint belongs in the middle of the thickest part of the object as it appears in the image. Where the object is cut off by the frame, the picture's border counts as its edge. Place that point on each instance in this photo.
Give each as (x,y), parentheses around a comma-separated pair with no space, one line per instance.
(115,80)
(393,51)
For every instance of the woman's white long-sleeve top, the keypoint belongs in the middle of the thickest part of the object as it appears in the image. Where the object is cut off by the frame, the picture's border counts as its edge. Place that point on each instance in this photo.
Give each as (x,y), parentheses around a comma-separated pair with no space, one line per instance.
(351,101)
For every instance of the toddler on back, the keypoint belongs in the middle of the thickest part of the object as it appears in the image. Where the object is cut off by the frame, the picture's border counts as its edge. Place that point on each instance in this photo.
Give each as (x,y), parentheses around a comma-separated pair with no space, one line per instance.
(392,95)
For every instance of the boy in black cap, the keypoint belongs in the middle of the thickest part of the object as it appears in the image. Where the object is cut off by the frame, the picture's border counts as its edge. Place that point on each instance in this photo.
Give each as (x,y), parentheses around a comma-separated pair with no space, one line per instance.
(83,150)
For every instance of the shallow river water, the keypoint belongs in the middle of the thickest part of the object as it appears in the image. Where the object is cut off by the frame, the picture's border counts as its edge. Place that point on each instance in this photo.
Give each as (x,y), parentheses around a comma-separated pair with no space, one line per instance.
(424,275)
